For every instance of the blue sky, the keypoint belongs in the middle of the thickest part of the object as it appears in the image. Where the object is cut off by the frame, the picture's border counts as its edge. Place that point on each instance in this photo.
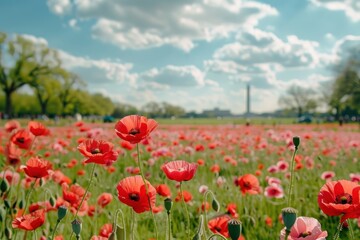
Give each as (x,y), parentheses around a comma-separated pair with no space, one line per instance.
(198,54)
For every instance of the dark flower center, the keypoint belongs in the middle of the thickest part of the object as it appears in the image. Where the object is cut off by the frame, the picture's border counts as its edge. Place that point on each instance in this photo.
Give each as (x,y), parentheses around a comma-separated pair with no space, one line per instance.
(95,151)
(343,199)
(134,131)
(20,140)
(218,229)
(305,234)
(247,185)
(134,196)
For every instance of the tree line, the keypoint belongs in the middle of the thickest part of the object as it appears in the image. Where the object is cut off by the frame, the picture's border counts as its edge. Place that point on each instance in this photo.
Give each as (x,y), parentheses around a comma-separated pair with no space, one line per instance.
(339,97)
(34,82)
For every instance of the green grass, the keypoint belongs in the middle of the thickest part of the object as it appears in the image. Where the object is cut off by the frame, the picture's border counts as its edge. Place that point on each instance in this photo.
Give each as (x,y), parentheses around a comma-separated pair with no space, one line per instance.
(252,209)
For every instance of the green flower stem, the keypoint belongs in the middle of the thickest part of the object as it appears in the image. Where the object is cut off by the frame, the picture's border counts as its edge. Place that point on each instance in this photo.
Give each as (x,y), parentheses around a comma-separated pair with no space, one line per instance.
(28,196)
(25,235)
(350,229)
(132,224)
(217,235)
(205,212)
(146,189)
(187,212)
(35,235)
(87,190)
(287,232)
(57,224)
(169,225)
(123,220)
(338,230)
(291,177)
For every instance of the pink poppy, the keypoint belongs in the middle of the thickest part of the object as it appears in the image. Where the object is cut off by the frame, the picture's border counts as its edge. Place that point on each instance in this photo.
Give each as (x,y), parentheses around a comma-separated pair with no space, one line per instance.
(327,175)
(355,177)
(305,228)
(274,191)
(282,166)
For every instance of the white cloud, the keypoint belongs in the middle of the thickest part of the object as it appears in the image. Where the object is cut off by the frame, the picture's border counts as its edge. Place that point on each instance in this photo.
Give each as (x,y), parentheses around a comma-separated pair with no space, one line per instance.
(35,40)
(344,46)
(142,24)
(104,69)
(313,81)
(74,24)
(179,76)
(60,7)
(350,7)
(255,46)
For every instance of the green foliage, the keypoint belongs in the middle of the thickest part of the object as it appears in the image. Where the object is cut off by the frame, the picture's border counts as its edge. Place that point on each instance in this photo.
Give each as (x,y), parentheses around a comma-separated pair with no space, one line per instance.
(346,88)
(299,99)
(162,110)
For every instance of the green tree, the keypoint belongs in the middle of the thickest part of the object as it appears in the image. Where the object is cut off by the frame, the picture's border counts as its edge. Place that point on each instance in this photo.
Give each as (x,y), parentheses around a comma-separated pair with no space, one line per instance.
(70,83)
(21,63)
(346,88)
(122,109)
(152,110)
(299,99)
(45,88)
(172,110)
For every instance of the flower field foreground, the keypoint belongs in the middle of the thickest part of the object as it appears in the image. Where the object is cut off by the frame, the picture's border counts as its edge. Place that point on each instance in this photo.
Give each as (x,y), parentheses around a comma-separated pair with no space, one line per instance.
(137,179)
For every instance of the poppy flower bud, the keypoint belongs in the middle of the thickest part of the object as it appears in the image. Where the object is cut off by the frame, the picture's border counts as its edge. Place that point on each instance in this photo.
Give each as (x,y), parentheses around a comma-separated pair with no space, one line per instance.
(42,182)
(76,227)
(197,236)
(62,210)
(234,227)
(296,141)
(289,217)
(4,186)
(6,203)
(117,233)
(52,201)
(2,212)
(168,204)
(14,204)
(8,233)
(21,204)
(215,205)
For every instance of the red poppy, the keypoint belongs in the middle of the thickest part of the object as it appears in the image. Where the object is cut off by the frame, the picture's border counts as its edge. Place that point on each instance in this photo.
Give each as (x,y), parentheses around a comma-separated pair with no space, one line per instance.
(12,154)
(248,184)
(135,128)
(12,125)
(220,225)
(38,129)
(157,209)
(179,170)
(73,194)
(232,210)
(215,168)
(30,221)
(104,199)
(187,196)
(340,197)
(106,230)
(126,145)
(60,177)
(98,151)
(132,192)
(22,138)
(163,190)
(36,167)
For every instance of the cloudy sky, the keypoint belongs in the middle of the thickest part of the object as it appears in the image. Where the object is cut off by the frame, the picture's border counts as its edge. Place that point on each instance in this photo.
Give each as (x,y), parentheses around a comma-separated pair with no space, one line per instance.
(198,54)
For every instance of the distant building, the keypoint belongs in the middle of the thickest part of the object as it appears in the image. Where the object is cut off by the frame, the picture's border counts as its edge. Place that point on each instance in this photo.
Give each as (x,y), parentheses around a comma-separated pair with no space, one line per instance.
(248,100)
(216,112)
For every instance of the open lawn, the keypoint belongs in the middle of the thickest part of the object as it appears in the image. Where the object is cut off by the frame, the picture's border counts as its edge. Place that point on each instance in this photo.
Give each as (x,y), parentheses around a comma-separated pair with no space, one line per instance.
(247,168)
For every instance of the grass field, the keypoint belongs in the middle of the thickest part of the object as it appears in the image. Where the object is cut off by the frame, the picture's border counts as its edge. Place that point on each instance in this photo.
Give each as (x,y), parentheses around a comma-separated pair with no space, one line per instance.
(225,150)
